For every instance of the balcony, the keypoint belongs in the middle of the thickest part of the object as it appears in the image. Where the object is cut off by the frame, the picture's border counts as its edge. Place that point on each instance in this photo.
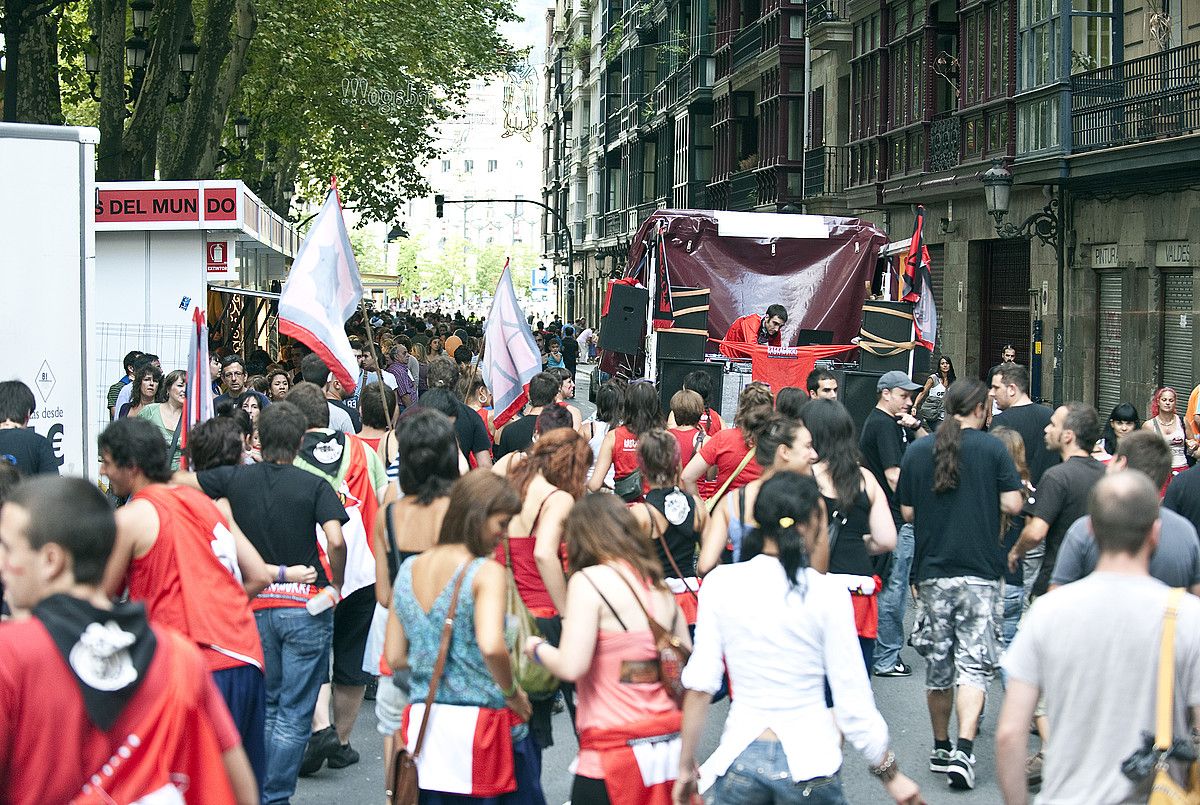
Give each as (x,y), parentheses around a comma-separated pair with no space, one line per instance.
(825,171)
(612,224)
(1149,98)
(612,128)
(743,191)
(829,25)
(746,44)
(945,143)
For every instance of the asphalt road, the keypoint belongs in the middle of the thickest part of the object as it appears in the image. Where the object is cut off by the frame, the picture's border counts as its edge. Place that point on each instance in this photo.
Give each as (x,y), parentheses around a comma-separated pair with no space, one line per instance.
(902,702)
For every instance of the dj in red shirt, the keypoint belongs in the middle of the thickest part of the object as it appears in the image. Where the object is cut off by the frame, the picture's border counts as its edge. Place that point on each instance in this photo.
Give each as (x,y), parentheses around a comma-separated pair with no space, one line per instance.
(756,329)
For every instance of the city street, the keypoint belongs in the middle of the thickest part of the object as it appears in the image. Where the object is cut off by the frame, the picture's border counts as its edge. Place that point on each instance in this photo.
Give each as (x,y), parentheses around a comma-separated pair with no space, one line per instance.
(902,702)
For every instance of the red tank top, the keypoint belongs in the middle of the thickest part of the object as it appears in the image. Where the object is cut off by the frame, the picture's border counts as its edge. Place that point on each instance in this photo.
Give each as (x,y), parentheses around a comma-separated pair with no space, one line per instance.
(625,451)
(524,568)
(206,602)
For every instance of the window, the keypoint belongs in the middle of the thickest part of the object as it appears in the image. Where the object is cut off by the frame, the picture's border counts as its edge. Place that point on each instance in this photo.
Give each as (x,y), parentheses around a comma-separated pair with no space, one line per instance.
(1037,125)
(795,129)
(1091,34)
(988,40)
(468,165)
(492,164)
(865,102)
(1038,42)
(445,166)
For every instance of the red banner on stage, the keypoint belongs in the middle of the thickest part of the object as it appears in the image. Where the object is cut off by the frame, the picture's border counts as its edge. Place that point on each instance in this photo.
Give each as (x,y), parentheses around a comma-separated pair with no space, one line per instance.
(781,367)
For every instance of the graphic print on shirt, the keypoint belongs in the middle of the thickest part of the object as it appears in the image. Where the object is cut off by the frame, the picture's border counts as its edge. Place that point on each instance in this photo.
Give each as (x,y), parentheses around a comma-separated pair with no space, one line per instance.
(225,549)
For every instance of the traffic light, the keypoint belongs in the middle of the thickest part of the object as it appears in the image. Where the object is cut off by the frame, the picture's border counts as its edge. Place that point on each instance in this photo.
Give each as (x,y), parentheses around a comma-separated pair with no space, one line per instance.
(438,201)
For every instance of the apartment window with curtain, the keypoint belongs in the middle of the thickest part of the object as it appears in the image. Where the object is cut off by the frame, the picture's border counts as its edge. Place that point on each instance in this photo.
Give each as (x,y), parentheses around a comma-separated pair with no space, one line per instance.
(1091,34)
(906,51)
(1038,43)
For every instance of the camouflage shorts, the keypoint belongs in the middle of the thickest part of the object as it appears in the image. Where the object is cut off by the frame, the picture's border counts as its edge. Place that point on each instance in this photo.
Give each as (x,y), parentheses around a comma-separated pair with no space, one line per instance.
(958,630)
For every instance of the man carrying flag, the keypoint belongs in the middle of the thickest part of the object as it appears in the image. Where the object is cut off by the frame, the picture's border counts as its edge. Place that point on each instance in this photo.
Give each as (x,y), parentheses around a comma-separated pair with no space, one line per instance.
(510,356)
(322,292)
(918,284)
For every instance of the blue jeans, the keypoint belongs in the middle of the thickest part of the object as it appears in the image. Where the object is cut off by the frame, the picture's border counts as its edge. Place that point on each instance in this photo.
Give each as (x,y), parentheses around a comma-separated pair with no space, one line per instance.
(244,691)
(296,650)
(892,601)
(760,775)
(1014,598)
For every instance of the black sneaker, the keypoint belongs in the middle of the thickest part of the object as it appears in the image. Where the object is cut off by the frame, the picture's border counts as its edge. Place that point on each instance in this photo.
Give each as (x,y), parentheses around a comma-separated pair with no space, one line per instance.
(939,760)
(343,756)
(961,772)
(899,670)
(321,746)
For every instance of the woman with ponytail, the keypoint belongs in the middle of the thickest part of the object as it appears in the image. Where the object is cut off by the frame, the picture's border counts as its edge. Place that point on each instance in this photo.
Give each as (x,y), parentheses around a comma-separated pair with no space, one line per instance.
(782,628)
(953,487)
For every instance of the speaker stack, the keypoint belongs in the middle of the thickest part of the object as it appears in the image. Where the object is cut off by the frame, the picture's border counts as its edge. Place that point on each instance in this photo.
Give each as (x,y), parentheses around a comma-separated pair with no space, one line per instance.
(686,339)
(671,374)
(857,391)
(624,326)
(885,324)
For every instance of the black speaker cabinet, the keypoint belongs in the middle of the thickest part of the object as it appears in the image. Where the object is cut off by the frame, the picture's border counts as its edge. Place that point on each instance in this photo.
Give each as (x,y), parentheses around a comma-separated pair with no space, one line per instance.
(687,338)
(623,329)
(671,374)
(856,391)
(885,322)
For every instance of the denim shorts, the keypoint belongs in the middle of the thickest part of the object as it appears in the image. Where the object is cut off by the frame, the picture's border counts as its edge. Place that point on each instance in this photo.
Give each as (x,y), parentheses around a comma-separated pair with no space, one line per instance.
(761,775)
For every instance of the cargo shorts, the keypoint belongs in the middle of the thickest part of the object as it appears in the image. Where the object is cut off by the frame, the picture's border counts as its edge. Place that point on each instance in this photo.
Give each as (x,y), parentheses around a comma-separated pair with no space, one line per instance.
(958,630)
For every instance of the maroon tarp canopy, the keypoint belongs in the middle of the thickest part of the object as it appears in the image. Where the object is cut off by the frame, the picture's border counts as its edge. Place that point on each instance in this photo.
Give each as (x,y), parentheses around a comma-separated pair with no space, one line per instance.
(818,267)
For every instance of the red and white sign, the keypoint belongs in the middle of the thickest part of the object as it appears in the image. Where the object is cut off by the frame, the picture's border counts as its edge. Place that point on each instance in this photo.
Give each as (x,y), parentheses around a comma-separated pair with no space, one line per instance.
(217,261)
(166,205)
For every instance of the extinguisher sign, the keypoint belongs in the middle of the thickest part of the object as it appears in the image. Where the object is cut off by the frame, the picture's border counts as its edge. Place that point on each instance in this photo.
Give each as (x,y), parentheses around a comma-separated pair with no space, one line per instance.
(218,256)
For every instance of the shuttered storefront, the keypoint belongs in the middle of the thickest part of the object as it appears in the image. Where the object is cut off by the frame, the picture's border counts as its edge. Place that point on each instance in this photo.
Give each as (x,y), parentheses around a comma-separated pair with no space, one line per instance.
(1108,344)
(1178,329)
(1005,313)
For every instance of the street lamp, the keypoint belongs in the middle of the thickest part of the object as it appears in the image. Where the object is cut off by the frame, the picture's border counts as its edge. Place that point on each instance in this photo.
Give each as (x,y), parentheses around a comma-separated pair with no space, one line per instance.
(241,128)
(188,50)
(141,14)
(997,190)
(136,49)
(91,63)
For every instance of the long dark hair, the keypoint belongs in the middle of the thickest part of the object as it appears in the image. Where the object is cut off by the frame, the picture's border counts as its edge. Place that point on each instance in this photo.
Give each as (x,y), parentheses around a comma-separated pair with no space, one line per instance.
(599,529)
(427,454)
(950,376)
(963,397)
(776,430)
(832,431)
(610,401)
(643,411)
(785,502)
(1125,412)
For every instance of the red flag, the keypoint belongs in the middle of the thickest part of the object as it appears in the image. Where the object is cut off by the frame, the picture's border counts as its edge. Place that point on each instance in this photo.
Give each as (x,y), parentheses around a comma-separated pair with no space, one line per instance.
(918,286)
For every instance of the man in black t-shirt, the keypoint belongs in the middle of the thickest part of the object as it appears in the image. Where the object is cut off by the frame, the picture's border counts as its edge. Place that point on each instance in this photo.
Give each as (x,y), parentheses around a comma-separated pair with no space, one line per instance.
(468,426)
(1010,390)
(280,508)
(517,435)
(886,434)
(1062,496)
(1183,495)
(20,445)
(954,500)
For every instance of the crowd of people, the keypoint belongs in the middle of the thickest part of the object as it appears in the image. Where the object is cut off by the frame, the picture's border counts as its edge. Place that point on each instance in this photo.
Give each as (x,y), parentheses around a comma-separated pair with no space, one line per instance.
(313,546)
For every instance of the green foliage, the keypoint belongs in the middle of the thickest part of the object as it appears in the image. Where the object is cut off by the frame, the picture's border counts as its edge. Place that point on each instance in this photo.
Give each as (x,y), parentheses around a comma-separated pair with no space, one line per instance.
(580,49)
(368,252)
(615,34)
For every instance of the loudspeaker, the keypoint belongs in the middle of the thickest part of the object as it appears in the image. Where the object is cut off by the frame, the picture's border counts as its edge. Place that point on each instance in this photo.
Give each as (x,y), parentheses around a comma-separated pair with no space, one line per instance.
(687,338)
(623,329)
(856,391)
(885,322)
(671,374)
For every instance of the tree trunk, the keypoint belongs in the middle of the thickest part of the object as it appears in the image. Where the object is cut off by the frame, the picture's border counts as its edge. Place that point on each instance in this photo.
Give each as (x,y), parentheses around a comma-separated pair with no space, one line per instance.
(162,71)
(111,33)
(31,93)
(214,47)
(231,79)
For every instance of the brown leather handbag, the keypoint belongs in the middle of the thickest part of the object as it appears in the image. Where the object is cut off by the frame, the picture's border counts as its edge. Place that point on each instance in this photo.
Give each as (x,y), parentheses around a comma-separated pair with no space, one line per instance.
(404,787)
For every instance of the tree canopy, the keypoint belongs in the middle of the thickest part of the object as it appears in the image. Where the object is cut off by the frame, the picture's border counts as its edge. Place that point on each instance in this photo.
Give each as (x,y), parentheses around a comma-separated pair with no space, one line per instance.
(352,89)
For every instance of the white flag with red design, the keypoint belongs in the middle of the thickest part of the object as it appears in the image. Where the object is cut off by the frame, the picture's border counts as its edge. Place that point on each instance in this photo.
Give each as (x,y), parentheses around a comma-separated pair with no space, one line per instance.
(322,292)
(510,356)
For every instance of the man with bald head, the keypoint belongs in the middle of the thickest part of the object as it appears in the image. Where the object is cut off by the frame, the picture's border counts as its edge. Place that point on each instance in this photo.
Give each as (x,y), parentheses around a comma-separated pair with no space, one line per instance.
(1091,650)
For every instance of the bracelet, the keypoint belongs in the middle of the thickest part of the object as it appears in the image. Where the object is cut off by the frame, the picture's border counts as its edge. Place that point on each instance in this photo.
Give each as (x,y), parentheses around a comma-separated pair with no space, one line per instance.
(886,770)
(536,658)
(512,691)
(281,575)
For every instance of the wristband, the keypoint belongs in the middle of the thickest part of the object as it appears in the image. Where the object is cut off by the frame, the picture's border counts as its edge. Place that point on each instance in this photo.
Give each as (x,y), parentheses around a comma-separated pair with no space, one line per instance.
(512,691)
(886,770)
(281,576)
(536,646)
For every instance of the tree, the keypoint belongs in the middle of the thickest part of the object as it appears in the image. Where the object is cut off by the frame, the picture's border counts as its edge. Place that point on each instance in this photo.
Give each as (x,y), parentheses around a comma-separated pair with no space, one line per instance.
(352,89)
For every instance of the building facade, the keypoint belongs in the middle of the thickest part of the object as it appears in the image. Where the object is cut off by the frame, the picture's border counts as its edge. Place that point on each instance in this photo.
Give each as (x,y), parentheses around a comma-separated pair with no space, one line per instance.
(870,107)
